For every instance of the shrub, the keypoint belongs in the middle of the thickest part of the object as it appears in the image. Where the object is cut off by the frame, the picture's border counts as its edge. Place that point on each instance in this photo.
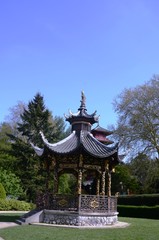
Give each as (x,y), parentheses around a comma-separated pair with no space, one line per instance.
(12,204)
(139,211)
(139,200)
(2,192)
(11,183)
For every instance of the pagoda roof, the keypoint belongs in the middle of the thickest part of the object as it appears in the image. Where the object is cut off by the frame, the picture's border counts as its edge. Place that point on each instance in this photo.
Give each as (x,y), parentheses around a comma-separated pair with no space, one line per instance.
(101,130)
(85,140)
(81,114)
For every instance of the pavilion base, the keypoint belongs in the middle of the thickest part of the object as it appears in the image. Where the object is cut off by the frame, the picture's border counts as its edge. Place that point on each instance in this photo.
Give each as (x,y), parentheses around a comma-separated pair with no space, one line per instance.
(72,218)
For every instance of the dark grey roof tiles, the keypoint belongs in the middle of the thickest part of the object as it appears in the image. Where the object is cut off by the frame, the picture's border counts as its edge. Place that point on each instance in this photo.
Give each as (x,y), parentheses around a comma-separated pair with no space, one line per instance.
(64,146)
(85,140)
(96,148)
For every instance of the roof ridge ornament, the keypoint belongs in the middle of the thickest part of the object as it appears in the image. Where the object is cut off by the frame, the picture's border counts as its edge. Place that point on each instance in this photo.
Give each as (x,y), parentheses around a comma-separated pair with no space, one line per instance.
(83,101)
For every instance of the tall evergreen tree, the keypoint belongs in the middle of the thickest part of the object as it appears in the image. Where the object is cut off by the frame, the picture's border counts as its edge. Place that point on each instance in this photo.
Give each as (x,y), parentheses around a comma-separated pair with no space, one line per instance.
(33,171)
(35,119)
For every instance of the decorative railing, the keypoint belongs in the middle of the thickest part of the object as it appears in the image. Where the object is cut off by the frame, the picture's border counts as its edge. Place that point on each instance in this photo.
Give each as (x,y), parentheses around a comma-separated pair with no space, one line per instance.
(81,203)
(98,203)
(57,202)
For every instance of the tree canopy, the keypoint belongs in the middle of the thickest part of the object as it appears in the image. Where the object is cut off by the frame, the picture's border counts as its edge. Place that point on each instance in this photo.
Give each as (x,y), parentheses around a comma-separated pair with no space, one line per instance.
(138,118)
(28,167)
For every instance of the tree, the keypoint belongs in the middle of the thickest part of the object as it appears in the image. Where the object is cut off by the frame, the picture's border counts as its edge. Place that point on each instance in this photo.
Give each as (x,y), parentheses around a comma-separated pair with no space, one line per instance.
(152,178)
(33,171)
(123,181)
(140,168)
(34,119)
(6,159)
(15,116)
(67,184)
(138,118)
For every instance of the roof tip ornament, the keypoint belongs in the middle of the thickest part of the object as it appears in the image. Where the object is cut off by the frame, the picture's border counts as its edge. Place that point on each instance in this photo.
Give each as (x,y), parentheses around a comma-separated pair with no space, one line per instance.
(83,101)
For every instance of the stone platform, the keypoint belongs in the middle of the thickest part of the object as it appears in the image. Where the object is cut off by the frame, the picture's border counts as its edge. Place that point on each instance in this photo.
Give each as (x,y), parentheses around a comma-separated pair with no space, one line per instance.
(79,219)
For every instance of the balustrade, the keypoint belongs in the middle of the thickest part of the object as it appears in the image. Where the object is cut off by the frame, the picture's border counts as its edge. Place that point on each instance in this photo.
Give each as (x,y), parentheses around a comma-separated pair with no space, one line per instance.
(81,203)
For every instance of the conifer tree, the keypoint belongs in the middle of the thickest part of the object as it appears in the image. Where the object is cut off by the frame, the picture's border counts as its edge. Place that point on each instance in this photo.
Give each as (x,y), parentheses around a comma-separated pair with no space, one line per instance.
(35,119)
(32,170)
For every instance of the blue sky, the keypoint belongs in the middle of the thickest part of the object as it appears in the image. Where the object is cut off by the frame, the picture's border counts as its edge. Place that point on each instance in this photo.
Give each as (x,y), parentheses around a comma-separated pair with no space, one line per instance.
(59,48)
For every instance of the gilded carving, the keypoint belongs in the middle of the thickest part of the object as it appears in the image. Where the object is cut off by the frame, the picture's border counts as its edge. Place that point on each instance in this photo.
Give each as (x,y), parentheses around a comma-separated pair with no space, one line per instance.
(64,165)
(94,204)
(94,167)
(98,186)
(109,184)
(81,160)
(79,181)
(63,202)
(103,183)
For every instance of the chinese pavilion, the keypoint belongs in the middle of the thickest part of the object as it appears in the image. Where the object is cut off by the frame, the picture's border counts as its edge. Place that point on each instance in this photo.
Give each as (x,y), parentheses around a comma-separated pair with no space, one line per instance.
(85,154)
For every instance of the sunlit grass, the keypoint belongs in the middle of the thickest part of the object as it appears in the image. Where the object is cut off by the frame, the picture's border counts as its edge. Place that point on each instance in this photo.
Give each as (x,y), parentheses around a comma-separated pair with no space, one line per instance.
(139,229)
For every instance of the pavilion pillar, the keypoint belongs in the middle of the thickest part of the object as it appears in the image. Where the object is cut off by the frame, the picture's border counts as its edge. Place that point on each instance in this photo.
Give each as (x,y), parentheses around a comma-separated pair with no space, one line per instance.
(79,188)
(80,165)
(55,190)
(108,183)
(98,186)
(103,183)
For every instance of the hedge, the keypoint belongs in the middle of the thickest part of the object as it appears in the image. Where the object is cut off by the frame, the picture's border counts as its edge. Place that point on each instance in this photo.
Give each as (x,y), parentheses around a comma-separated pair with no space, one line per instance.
(2,192)
(139,200)
(139,211)
(16,205)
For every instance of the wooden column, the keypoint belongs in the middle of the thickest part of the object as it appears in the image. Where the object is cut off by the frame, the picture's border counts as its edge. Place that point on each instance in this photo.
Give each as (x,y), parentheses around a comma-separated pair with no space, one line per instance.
(108,183)
(79,189)
(98,186)
(55,189)
(103,183)
(80,165)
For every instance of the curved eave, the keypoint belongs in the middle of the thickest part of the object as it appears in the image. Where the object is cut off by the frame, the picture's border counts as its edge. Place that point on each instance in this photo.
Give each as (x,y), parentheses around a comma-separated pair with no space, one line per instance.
(39,151)
(96,148)
(65,146)
(86,141)
(92,118)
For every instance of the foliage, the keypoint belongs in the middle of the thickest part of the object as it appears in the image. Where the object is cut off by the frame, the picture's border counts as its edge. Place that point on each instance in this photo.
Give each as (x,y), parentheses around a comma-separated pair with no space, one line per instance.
(139,200)
(33,171)
(139,211)
(14,116)
(11,183)
(6,159)
(138,229)
(67,184)
(138,118)
(37,118)
(13,204)
(123,181)
(2,192)
(146,172)
(139,167)
(152,180)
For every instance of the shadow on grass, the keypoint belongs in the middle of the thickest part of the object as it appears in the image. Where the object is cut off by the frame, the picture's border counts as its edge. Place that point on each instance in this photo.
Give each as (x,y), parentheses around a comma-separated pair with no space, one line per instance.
(9,218)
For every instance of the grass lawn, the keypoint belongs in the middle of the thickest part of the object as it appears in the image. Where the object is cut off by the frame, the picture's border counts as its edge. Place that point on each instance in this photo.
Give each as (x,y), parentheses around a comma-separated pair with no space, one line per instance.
(139,229)
(9,217)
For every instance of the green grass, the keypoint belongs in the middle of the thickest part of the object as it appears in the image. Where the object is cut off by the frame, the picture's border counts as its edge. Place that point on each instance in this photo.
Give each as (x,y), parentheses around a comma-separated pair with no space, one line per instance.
(139,229)
(9,217)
